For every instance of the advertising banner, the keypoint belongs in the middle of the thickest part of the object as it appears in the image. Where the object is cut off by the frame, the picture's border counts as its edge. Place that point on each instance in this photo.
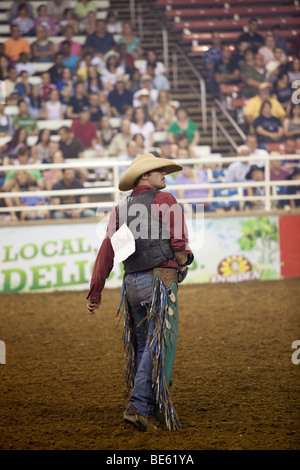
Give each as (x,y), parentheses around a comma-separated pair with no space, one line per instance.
(61,257)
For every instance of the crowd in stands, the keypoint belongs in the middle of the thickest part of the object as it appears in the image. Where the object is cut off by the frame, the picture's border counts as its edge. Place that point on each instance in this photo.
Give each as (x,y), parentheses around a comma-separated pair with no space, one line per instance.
(108,77)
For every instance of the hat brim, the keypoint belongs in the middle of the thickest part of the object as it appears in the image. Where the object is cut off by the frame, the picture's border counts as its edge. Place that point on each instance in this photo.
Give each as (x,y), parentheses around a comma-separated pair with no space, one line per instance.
(143,166)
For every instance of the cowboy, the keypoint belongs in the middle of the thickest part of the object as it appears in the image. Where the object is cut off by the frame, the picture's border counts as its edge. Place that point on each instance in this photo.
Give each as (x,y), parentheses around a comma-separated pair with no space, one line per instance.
(156,255)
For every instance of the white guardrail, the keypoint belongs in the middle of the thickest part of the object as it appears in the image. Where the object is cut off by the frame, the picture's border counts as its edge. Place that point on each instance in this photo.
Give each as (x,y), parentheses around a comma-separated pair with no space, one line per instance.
(111,187)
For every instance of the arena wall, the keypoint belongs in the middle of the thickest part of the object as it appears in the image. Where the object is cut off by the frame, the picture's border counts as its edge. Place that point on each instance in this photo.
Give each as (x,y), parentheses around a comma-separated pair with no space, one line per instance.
(60,256)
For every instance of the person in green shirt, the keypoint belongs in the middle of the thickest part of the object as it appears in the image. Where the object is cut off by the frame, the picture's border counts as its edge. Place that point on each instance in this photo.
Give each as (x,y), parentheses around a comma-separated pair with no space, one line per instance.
(83,8)
(22,159)
(23,119)
(184,124)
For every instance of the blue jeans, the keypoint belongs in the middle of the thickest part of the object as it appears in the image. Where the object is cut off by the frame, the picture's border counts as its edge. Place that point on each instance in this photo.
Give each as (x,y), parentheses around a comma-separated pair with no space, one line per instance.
(138,288)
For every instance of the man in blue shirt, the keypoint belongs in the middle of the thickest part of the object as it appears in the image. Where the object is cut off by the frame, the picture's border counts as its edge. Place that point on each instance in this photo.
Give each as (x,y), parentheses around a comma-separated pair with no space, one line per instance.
(69,60)
(119,97)
(101,41)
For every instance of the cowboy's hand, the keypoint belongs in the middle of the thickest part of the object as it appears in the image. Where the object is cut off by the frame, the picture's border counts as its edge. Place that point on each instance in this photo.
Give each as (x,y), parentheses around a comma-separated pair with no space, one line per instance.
(182,273)
(91,306)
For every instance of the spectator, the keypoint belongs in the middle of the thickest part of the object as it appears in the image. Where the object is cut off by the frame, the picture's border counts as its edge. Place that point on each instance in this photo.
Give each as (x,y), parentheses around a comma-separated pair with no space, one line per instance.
(66,86)
(24,64)
(35,102)
(53,176)
(182,142)
(6,128)
(46,86)
(111,70)
(69,59)
(280,56)
(140,125)
(251,142)
(118,144)
(26,183)
(140,143)
(158,66)
(56,9)
(190,175)
(56,71)
(239,56)
(119,96)
(165,149)
(277,171)
(75,47)
(132,42)
(104,104)
(70,145)
(294,190)
(126,60)
(135,80)
(18,140)
(106,132)
(22,159)
(163,111)
(101,41)
(272,71)
(159,82)
(252,37)
(112,24)
(16,44)
(212,55)
(94,83)
(291,125)
(22,87)
(40,151)
(84,129)
(184,124)
(42,48)
(279,41)
(253,75)
(82,9)
(267,127)
(4,67)
(252,109)
(68,20)
(14,10)
(225,71)
(294,70)
(23,119)
(283,91)
(69,181)
(90,23)
(95,110)
(77,102)
(129,155)
(82,71)
(43,19)
(143,97)
(24,22)
(10,84)
(146,82)
(237,171)
(53,107)
(256,174)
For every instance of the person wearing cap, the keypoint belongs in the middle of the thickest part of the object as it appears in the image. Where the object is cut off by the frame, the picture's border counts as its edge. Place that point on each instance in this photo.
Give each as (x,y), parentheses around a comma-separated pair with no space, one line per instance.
(256,173)
(253,106)
(146,82)
(143,97)
(153,267)
(120,97)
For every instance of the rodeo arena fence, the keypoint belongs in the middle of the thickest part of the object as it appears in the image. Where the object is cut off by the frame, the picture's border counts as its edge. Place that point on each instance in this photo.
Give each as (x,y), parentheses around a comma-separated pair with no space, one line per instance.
(110,187)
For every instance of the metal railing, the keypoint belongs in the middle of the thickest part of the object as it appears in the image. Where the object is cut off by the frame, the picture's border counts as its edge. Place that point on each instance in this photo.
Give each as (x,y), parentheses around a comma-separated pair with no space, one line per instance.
(217,124)
(112,188)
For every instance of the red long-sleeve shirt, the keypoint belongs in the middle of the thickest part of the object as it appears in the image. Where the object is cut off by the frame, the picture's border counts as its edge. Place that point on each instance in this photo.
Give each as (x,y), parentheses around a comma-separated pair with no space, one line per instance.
(175,224)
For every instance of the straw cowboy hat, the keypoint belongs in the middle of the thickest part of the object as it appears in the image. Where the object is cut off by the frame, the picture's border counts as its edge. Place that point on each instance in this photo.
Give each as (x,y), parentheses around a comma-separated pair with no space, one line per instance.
(141,165)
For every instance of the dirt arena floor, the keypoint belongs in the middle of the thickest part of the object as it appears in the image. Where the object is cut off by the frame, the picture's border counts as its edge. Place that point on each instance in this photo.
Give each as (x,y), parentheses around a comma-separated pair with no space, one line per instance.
(234,384)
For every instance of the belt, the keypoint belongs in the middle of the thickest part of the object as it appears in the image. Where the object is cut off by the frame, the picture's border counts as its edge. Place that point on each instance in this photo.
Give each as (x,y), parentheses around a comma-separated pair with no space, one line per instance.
(167,275)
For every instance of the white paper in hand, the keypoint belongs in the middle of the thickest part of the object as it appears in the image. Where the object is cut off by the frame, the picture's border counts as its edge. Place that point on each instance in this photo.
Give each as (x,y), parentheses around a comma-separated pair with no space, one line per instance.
(123,243)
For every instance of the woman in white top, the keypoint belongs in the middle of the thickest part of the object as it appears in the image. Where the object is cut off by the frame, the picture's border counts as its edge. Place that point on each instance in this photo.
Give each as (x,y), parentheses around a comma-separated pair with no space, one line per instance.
(111,70)
(141,126)
(54,107)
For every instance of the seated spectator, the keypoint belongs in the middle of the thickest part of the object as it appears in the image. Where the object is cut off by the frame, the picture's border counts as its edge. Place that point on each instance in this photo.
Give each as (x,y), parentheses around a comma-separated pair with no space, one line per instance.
(22,87)
(69,20)
(93,83)
(69,181)
(119,97)
(56,71)
(253,106)
(126,60)
(294,70)
(75,47)
(10,84)
(42,49)
(165,149)
(53,176)
(23,119)
(225,70)
(147,82)
(40,151)
(190,175)
(253,75)
(240,55)
(158,66)
(104,104)
(237,171)
(111,70)
(283,91)
(277,171)
(163,112)
(66,86)
(24,22)
(184,124)
(143,98)
(113,26)
(182,142)
(90,23)
(267,50)
(46,86)
(140,125)
(18,140)
(6,127)
(159,82)
(69,60)
(101,41)
(95,110)
(280,56)
(16,44)
(70,145)
(132,42)
(82,10)
(267,127)
(252,37)
(56,9)
(140,143)
(212,56)
(24,64)
(293,190)
(14,9)
(256,174)
(272,71)
(22,159)
(53,108)
(77,102)
(4,67)
(279,40)
(35,102)
(251,142)
(25,182)
(84,129)
(82,70)
(118,144)
(129,155)
(105,132)
(43,19)
(291,125)
(135,80)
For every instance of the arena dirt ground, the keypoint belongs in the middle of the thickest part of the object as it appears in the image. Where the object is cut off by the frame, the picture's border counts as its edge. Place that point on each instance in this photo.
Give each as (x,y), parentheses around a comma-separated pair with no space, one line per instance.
(234,383)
